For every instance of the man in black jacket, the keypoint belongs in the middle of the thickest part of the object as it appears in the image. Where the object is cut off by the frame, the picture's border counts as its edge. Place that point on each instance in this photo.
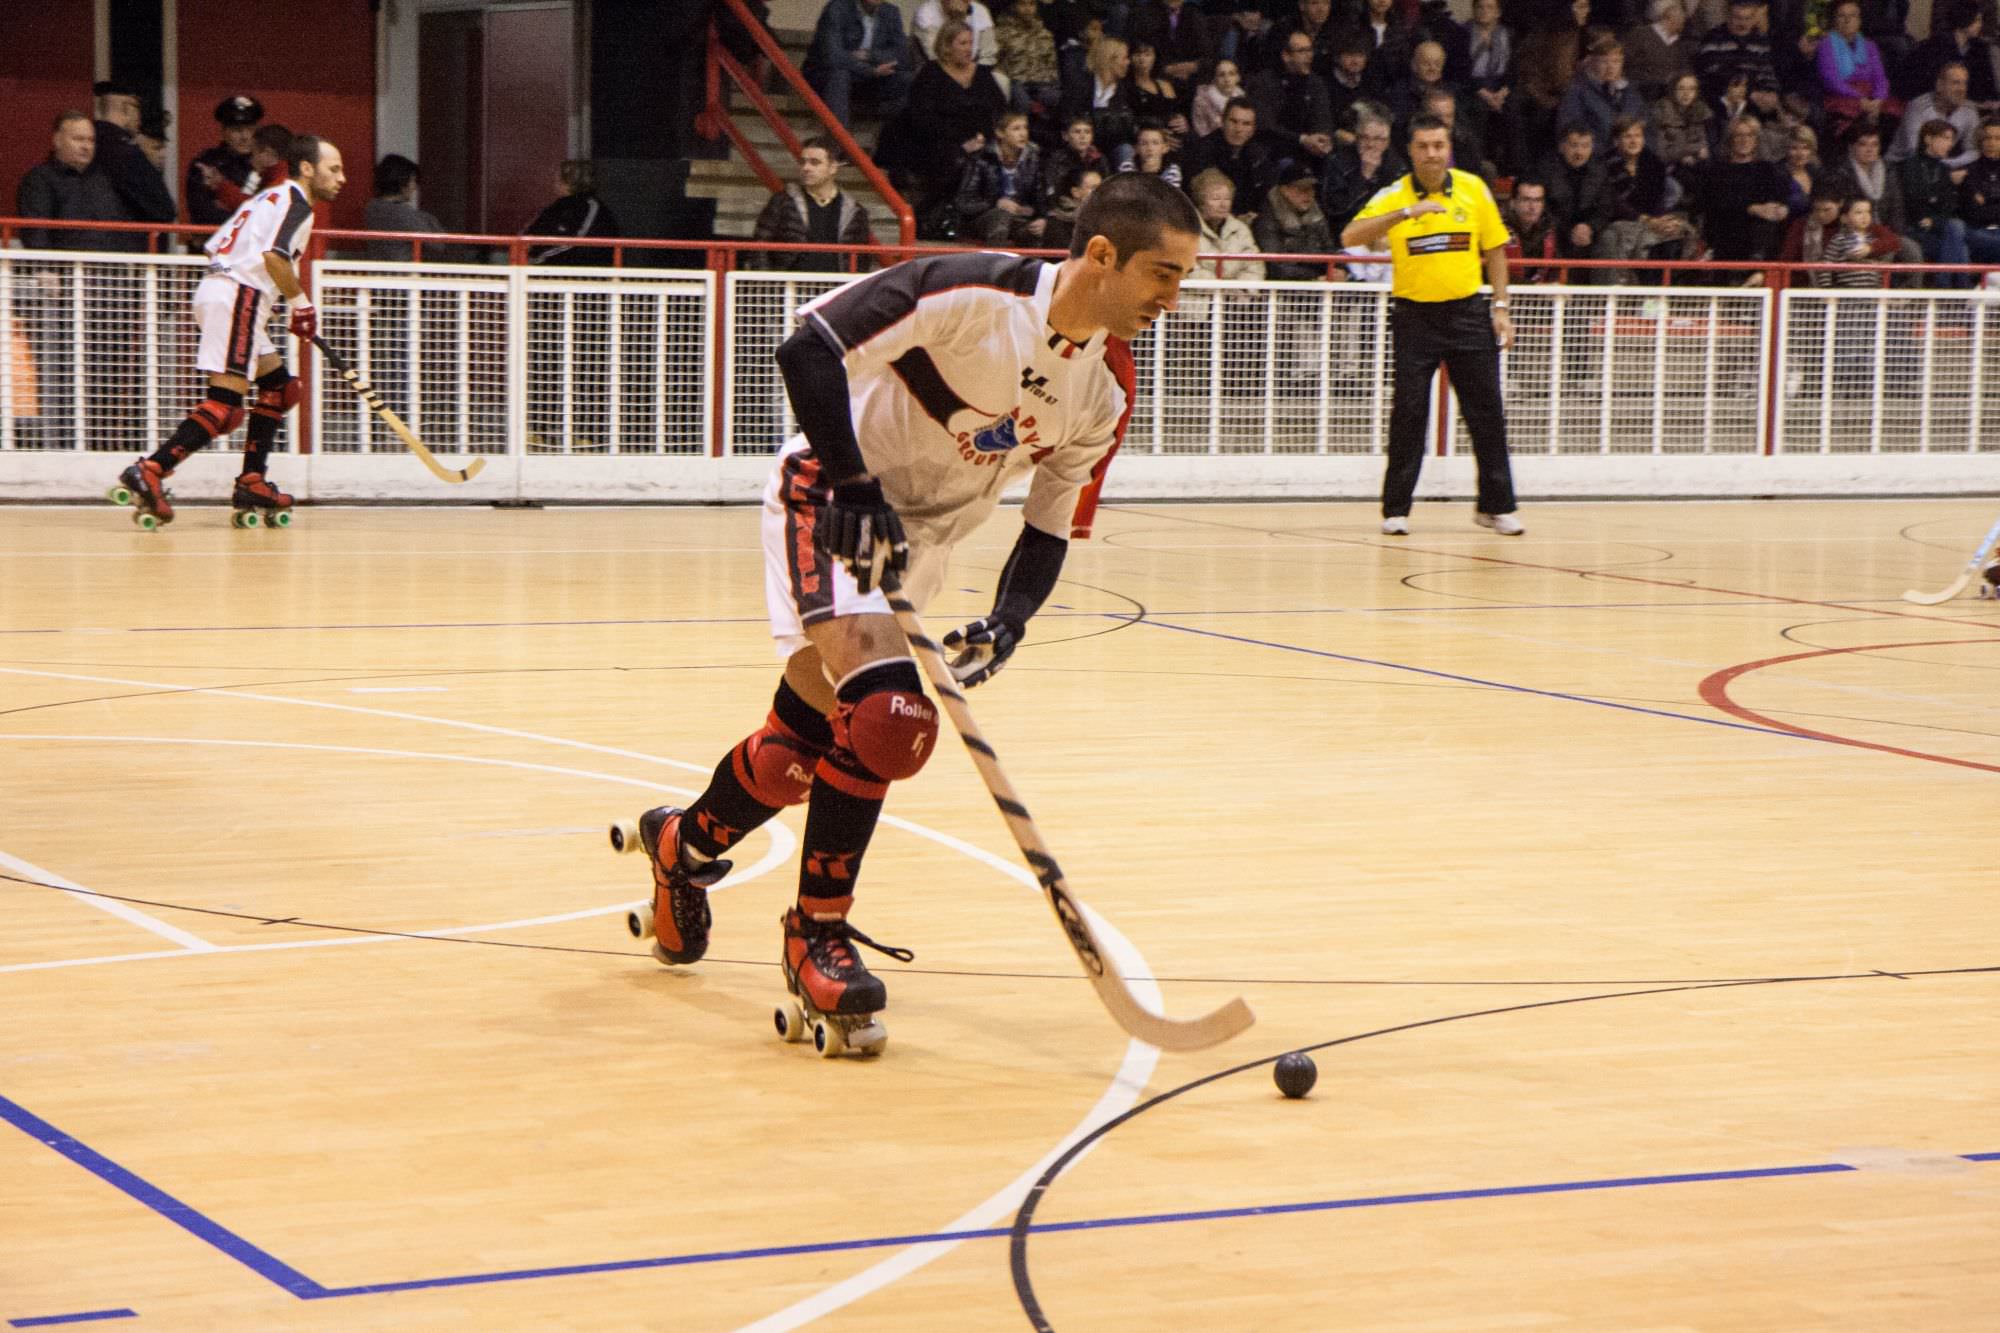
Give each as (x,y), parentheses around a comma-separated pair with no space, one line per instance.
(69,187)
(1579,191)
(140,187)
(814,210)
(229,159)
(1234,151)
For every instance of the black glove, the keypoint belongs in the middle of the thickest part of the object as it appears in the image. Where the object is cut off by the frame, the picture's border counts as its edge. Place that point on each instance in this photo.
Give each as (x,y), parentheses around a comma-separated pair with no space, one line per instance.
(863,532)
(983,648)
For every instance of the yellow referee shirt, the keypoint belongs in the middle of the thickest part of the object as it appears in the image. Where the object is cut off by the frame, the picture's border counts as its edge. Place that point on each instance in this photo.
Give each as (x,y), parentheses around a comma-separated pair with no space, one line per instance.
(1440,256)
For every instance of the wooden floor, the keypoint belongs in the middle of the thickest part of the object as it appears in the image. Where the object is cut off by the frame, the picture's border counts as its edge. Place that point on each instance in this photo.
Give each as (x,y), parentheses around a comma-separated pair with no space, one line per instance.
(1631,882)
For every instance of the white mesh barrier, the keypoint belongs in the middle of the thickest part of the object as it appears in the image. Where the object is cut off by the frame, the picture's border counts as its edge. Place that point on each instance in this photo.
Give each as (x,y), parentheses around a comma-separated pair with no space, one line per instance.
(762,311)
(97,355)
(1902,371)
(432,340)
(1265,368)
(99,350)
(1609,370)
(595,361)
(618,361)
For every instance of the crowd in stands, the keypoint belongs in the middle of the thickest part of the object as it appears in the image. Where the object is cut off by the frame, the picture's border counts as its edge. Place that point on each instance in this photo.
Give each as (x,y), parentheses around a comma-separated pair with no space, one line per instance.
(1633,131)
(1628,130)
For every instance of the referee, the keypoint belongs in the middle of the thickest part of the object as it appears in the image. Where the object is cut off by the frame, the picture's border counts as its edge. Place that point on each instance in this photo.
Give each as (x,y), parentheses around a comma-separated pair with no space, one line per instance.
(1443,230)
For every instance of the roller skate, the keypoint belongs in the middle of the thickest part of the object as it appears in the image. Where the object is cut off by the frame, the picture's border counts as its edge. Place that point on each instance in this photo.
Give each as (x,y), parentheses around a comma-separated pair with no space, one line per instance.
(833,994)
(680,933)
(256,501)
(1989,580)
(143,486)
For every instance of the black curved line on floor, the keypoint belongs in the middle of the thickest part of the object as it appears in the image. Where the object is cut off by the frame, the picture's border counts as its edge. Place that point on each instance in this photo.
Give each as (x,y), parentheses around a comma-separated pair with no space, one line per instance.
(264,919)
(1793,634)
(1908,534)
(1024,1216)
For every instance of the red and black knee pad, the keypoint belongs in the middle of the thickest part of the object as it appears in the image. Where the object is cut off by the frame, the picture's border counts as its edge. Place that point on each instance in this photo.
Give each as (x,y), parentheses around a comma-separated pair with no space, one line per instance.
(278,393)
(219,413)
(884,720)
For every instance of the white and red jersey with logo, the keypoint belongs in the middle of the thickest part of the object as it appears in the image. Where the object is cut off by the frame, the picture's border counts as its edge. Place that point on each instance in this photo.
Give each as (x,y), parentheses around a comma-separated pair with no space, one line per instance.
(280,219)
(959,385)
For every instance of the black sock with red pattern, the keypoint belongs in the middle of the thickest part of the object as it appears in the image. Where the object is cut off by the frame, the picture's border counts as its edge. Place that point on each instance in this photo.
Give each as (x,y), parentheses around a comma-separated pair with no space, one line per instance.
(211,417)
(847,801)
(766,771)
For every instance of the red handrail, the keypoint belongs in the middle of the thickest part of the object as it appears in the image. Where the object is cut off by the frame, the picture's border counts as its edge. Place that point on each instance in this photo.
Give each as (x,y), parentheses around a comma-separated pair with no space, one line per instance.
(906,220)
(721,252)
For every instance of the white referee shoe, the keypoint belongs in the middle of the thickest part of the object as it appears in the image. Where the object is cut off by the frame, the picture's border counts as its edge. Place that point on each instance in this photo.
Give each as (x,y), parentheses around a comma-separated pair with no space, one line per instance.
(1504,524)
(1395,527)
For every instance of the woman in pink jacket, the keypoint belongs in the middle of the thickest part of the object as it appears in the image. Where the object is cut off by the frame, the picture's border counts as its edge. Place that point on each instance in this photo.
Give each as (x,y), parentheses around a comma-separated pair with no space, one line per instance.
(1851,78)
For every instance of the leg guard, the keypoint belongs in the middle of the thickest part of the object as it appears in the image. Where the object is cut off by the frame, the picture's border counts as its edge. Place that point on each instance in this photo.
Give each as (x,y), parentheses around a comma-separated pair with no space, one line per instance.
(775,766)
(212,419)
(884,720)
(277,393)
(761,775)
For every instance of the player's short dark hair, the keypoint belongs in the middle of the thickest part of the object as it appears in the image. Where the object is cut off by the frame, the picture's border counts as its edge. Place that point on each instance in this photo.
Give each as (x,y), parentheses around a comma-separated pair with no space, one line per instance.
(1828,192)
(1425,121)
(826,145)
(1131,210)
(65,117)
(393,175)
(275,138)
(304,149)
(1536,181)
(1238,104)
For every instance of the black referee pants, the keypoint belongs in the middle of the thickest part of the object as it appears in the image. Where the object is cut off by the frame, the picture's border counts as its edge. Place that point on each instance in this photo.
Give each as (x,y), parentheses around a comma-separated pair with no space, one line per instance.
(1458,335)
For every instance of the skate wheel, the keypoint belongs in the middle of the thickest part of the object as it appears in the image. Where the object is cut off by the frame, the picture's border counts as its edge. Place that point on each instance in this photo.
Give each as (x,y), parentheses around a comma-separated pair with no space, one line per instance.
(791,1021)
(827,1039)
(625,835)
(640,921)
(281,519)
(147,522)
(242,518)
(119,495)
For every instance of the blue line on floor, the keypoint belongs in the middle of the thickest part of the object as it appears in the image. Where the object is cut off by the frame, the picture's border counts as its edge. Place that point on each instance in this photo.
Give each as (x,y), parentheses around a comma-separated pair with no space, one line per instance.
(1477,680)
(298,1284)
(1094,1224)
(161,1202)
(85,1317)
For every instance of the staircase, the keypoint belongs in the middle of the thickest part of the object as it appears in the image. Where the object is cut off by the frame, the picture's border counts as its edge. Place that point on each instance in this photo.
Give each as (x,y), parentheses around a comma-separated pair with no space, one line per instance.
(739,196)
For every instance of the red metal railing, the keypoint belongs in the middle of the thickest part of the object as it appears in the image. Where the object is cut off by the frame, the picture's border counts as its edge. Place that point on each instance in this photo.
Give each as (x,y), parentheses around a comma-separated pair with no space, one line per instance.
(715,116)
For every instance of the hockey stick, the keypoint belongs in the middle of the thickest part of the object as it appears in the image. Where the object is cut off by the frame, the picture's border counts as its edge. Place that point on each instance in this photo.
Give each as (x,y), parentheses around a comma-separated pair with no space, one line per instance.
(1169,1034)
(382,410)
(1971,571)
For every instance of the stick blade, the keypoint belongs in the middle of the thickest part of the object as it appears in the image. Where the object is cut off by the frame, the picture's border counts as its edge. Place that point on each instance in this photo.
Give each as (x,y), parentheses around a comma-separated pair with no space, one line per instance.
(1176,1034)
(1935,598)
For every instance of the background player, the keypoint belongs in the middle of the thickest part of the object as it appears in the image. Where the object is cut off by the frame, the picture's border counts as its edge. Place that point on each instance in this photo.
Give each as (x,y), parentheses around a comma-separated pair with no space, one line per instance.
(252,260)
(920,391)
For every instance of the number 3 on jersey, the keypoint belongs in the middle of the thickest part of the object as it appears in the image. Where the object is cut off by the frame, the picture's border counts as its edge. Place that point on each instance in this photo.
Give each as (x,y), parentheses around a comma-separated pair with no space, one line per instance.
(235,230)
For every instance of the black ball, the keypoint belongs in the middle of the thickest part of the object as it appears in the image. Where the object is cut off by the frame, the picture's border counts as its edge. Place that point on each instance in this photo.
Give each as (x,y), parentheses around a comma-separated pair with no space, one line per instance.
(1295,1074)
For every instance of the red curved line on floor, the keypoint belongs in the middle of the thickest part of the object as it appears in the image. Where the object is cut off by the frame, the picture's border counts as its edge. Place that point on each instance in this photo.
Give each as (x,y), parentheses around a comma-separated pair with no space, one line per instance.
(1715,692)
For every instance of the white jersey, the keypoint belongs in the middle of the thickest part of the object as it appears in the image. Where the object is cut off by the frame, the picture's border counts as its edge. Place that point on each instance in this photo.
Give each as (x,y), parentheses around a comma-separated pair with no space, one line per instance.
(958,385)
(280,219)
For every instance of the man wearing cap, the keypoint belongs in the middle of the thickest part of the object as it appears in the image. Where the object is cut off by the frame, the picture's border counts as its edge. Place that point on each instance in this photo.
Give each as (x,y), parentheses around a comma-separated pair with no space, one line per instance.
(138,182)
(1444,233)
(229,160)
